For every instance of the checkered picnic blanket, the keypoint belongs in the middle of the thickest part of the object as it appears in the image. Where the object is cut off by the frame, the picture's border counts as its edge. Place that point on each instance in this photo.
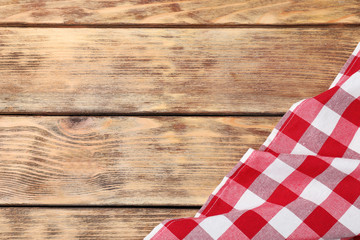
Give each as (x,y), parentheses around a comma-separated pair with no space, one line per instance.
(303,182)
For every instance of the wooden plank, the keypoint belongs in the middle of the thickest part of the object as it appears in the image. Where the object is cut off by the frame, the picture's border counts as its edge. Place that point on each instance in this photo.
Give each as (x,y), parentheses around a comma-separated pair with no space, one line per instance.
(190,12)
(121,160)
(83,223)
(181,71)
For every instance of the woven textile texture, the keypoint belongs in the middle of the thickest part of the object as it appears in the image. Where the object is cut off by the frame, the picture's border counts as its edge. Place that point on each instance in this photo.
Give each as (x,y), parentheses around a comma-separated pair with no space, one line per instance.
(303,182)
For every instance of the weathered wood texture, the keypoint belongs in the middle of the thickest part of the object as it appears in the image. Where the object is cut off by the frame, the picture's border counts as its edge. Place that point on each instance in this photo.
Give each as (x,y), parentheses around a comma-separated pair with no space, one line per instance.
(121,160)
(183,71)
(83,223)
(190,12)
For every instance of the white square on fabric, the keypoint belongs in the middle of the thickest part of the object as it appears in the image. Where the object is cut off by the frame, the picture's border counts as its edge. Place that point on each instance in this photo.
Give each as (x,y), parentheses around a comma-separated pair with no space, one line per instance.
(352,85)
(326,120)
(345,165)
(354,144)
(300,149)
(316,192)
(351,219)
(248,200)
(285,222)
(215,226)
(278,171)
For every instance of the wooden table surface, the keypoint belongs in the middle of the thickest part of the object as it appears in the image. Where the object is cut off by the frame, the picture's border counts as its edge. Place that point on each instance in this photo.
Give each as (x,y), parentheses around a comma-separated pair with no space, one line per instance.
(116,115)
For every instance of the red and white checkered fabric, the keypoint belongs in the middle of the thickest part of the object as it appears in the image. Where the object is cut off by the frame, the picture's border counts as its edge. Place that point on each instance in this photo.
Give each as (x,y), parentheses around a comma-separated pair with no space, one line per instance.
(303,182)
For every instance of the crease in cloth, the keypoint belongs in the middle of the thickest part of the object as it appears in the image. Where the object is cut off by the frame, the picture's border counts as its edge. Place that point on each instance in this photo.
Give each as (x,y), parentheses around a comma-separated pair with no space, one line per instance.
(302,183)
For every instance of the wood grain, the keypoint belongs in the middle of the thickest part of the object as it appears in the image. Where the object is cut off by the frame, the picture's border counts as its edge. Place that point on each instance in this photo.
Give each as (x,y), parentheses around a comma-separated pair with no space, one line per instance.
(83,223)
(230,12)
(181,71)
(121,160)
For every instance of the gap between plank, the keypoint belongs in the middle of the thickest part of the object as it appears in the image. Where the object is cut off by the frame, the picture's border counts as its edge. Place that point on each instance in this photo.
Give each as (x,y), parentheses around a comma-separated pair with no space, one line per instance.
(110,25)
(199,114)
(98,206)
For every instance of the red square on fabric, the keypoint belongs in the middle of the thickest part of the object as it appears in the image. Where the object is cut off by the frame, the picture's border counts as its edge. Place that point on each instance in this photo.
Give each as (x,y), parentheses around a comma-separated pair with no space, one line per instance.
(295,127)
(181,228)
(246,177)
(352,112)
(320,221)
(313,166)
(327,95)
(250,223)
(282,196)
(332,148)
(348,188)
(217,206)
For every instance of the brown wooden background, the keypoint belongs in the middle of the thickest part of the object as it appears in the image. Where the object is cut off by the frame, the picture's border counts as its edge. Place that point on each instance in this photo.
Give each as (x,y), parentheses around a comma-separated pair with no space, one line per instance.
(116,115)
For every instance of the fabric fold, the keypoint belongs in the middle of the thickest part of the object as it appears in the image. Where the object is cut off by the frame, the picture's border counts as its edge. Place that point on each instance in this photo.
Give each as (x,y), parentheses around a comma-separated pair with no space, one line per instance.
(303,182)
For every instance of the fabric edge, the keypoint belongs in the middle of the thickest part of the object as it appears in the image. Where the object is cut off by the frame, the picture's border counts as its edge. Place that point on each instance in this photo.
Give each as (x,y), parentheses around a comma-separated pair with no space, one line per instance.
(345,66)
